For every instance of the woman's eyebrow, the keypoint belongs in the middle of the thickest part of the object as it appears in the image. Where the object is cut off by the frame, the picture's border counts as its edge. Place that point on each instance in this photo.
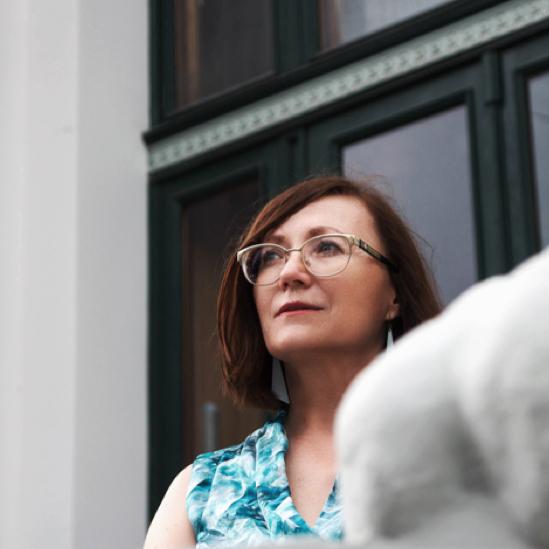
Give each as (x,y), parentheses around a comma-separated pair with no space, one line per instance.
(313,231)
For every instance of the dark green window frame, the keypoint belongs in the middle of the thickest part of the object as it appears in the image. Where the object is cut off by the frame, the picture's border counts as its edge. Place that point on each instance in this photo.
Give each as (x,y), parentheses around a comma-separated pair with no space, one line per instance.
(295,40)
(461,86)
(519,64)
(297,57)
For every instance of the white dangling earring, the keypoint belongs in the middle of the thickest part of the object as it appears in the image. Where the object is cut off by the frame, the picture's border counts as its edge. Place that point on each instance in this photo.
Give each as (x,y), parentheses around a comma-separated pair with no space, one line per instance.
(390,341)
(278,383)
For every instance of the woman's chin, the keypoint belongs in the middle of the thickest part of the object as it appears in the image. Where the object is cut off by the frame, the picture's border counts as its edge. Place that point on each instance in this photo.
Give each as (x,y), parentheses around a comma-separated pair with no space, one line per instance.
(291,349)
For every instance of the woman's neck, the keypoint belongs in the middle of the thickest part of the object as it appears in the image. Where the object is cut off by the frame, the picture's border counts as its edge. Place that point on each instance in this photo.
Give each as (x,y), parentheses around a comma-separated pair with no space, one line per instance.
(315,387)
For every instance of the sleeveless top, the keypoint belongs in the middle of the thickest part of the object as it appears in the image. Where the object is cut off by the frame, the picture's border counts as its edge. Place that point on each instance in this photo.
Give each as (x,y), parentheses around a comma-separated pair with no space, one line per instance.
(240,495)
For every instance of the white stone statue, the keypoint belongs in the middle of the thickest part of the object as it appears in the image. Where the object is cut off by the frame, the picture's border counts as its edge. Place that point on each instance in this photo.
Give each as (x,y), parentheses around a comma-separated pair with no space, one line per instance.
(444,440)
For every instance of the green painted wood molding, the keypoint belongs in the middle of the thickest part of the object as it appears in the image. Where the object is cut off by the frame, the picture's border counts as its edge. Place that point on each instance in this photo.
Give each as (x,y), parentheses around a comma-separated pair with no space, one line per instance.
(444,43)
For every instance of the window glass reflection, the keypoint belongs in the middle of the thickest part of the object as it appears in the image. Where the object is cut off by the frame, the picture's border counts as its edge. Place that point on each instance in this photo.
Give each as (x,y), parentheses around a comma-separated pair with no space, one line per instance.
(220,44)
(344,20)
(539,116)
(426,168)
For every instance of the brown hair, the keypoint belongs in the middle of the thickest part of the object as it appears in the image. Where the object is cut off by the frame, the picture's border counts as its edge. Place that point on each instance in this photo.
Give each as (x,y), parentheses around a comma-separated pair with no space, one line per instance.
(246,363)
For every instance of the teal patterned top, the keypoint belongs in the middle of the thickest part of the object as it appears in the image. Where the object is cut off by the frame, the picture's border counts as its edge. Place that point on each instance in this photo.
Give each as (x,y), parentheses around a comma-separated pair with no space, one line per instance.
(240,495)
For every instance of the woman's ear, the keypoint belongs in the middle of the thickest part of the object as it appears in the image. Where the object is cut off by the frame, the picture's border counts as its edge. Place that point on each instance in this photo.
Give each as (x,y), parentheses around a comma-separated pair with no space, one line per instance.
(393,311)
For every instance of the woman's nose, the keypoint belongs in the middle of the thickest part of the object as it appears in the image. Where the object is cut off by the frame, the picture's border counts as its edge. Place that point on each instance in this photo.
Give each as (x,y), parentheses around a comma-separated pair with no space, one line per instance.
(294,271)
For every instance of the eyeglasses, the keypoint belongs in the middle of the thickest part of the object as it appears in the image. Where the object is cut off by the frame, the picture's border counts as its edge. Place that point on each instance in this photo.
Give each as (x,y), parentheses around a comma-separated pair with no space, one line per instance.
(323,256)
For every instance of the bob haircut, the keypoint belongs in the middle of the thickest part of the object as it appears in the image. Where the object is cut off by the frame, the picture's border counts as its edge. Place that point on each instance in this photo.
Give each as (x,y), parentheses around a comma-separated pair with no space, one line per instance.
(246,363)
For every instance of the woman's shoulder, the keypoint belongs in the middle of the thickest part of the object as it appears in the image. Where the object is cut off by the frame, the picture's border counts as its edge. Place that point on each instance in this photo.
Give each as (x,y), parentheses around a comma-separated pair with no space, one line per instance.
(170,526)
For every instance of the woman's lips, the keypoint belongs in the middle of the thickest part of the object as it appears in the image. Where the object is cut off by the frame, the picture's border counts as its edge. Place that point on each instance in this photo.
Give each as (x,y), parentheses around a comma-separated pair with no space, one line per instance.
(297,307)
(298,312)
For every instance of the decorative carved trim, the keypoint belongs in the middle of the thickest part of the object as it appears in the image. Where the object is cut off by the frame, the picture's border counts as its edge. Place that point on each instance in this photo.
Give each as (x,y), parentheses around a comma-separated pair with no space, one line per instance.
(435,46)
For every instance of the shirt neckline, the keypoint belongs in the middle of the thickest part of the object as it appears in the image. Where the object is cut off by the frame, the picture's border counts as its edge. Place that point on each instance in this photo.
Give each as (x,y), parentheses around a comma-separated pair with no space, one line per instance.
(273,488)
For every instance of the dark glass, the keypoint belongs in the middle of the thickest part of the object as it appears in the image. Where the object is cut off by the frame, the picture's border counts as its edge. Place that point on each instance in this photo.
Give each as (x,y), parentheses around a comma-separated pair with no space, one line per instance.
(210,227)
(344,20)
(220,44)
(426,168)
(539,118)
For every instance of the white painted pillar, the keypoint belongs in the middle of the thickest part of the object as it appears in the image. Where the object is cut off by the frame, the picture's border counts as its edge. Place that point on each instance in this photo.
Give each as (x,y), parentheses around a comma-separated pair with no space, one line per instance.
(73,103)
(111,404)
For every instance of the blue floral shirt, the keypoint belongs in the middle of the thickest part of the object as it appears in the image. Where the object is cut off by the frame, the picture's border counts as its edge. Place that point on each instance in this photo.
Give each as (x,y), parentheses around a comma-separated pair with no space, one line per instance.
(240,495)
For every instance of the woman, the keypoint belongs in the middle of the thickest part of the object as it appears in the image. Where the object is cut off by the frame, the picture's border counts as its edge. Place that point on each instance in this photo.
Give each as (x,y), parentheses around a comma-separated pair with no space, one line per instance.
(325,275)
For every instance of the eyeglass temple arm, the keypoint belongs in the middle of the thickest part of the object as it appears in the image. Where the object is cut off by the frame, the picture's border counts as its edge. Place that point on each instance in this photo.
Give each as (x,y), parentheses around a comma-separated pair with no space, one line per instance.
(374,253)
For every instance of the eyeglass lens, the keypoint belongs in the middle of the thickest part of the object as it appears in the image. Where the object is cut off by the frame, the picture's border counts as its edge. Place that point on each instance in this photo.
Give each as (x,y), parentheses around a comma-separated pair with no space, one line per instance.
(322,255)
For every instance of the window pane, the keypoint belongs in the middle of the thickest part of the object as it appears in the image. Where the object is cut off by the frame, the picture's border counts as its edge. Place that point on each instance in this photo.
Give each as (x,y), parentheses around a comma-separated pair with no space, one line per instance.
(427,167)
(220,44)
(210,226)
(345,20)
(539,113)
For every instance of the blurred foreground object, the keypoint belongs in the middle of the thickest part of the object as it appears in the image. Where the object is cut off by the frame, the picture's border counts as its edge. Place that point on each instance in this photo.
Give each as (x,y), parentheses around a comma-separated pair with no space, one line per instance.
(444,440)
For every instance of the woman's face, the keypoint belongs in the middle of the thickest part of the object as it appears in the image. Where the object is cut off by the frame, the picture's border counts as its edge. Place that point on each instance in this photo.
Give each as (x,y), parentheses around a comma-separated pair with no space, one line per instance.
(345,312)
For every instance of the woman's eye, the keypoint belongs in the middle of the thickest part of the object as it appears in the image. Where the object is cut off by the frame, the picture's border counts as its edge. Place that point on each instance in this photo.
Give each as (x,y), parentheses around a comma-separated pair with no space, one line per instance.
(328,247)
(268,257)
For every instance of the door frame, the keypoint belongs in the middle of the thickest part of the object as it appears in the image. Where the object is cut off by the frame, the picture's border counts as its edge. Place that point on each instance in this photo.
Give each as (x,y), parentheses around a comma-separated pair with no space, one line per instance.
(167,318)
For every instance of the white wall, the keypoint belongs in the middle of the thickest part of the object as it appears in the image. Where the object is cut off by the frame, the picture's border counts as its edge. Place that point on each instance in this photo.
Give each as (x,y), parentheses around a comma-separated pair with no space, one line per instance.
(73,103)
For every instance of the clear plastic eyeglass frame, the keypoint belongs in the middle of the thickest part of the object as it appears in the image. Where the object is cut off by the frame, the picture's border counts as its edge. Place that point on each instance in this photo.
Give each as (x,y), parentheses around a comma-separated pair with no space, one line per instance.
(351,239)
